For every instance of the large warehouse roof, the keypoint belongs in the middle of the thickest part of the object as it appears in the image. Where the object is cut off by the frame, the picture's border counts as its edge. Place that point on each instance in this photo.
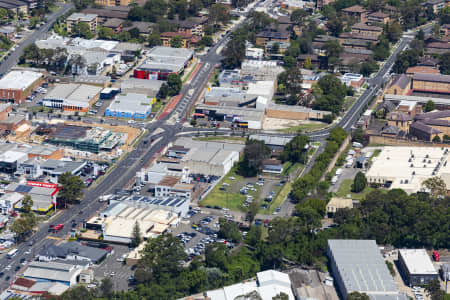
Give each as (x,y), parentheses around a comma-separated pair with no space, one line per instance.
(19,80)
(361,266)
(417,261)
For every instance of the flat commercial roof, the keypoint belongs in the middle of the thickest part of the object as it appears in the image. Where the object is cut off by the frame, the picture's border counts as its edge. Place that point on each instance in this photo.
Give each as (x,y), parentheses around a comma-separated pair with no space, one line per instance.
(190,143)
(149,87)
(81,17)
(19,80)
(417,261)
(408,167)
(248,114)
(74,93)
(133,103)
(418,99)
(271,140)
(361,266)
(167,59)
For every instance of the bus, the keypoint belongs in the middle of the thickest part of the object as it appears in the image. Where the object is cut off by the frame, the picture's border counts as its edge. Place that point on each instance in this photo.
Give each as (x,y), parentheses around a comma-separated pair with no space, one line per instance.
(12,253)
(58,228)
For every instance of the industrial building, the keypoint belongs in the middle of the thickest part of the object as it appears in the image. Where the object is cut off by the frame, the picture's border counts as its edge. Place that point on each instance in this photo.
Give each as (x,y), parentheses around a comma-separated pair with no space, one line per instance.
(268,285)
(133,106)
(36,167)
(141,86)
(16,86)
(163,61)
(241,116)
(66,274)
(81,138)
(72,97)
(293,112)
(357,266)
(44,195)
(261,70)
(216,162)
(407,167)
(416,266)
(154,215)
(72,251)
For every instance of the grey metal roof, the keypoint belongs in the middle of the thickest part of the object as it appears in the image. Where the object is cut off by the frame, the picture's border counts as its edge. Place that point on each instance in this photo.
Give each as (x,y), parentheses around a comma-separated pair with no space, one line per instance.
(271,140)
(361,266)
(60,166)
(133,103)
(50,271)
(402,81)
(432,77)
(74,248)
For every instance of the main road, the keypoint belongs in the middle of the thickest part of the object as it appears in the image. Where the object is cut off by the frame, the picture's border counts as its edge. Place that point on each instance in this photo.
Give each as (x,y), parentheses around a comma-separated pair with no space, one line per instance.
(151,144)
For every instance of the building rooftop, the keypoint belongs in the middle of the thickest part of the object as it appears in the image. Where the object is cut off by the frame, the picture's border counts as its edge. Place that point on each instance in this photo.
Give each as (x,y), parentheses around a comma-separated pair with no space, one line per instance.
(401,80)
(148,86)
(354,9)
(167,58)
(190,143)
(417,261)
(74,248)
(19,80)
(408,167)
(81,17)
(249,114)
(422,69)
(362,26)
(361,266)
(75,93)
(131,102)
(50,271)
(432,77)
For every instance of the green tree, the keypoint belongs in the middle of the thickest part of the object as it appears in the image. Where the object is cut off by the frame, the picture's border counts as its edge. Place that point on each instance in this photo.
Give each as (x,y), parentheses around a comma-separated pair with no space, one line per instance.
(154,39)
(27,204)
(335,26)
(429,106)
(390,267)
(23,225)
(436,186)
(207,40)
(78,292)
(298,16)
(176,42)
(444,63)
(136,235)
(3,16)
(296,150)
(436,139)
(253,236)
(216,256)
(163,91)
(254,154)
(434,290)
(358,135)
(218,13)
(281,296)
(229,230)
(106,287)
(174,84)
(393,32)
(71,190)
(105,33)
(234,53)
(252,211)
(33,22)
(82,30)
(357,296)
(359,183)
(160,258)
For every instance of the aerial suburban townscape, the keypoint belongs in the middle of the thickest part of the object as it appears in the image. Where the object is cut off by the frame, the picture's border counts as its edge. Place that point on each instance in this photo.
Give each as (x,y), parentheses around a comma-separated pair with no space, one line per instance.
(225,150)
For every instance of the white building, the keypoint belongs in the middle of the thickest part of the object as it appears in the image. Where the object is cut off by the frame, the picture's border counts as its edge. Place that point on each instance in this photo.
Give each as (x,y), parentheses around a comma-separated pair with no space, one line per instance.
(210,161)
(416,266)
(254,53)
(269,284)
(53,272)
(407,167)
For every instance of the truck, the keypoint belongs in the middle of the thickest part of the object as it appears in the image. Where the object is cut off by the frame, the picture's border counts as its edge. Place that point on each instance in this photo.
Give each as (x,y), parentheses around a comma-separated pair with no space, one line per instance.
(436,256)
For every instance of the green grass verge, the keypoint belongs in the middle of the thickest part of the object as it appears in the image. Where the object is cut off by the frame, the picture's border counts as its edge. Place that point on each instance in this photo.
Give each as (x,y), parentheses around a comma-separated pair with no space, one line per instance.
(289,167)
(304,127)
(188,75)
(281,195)
(346,187)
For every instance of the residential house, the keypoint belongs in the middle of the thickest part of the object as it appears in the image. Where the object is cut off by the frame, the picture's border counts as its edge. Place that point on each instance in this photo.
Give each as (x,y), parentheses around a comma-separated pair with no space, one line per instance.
(367,30)
(355,12)
(145,28)
(437,48)
(190,27)
(105,13)
(186,39)
(8,31)
(400,120)
(75,18)
(445,30)
(378,18)
(113,2)
(272,35)
(115,24)
(436,5)
(421,69)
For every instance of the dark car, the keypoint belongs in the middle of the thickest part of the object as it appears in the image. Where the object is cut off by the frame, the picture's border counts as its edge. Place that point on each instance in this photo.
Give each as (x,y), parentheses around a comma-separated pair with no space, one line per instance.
(22,260)
(1,274)
(7,278)
(17,268)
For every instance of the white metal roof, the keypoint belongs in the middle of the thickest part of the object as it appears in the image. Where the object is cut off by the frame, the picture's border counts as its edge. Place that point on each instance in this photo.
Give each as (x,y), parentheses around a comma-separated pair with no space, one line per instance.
(20,80)
(417,261)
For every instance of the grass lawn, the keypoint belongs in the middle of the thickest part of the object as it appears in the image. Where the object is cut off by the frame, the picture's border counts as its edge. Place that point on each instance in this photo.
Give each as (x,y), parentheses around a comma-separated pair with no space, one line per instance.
(281,195)
(230,198)
(288,167)
(156,106)
(346,187)
(304,127)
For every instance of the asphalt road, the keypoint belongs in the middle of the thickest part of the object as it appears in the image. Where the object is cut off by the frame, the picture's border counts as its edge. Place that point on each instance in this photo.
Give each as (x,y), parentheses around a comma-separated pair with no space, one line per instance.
(11,60)
(144,151)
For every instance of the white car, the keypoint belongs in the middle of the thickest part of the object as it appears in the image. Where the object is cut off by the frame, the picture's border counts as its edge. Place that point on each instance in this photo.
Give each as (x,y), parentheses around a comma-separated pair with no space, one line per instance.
(8,267)
(131,121)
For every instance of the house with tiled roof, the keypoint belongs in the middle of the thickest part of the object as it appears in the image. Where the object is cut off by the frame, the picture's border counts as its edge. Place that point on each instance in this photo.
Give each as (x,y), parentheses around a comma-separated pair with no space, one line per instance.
(422,70)
(378,17)
(437,48)
(400,85)
(433,83)
(355,12)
